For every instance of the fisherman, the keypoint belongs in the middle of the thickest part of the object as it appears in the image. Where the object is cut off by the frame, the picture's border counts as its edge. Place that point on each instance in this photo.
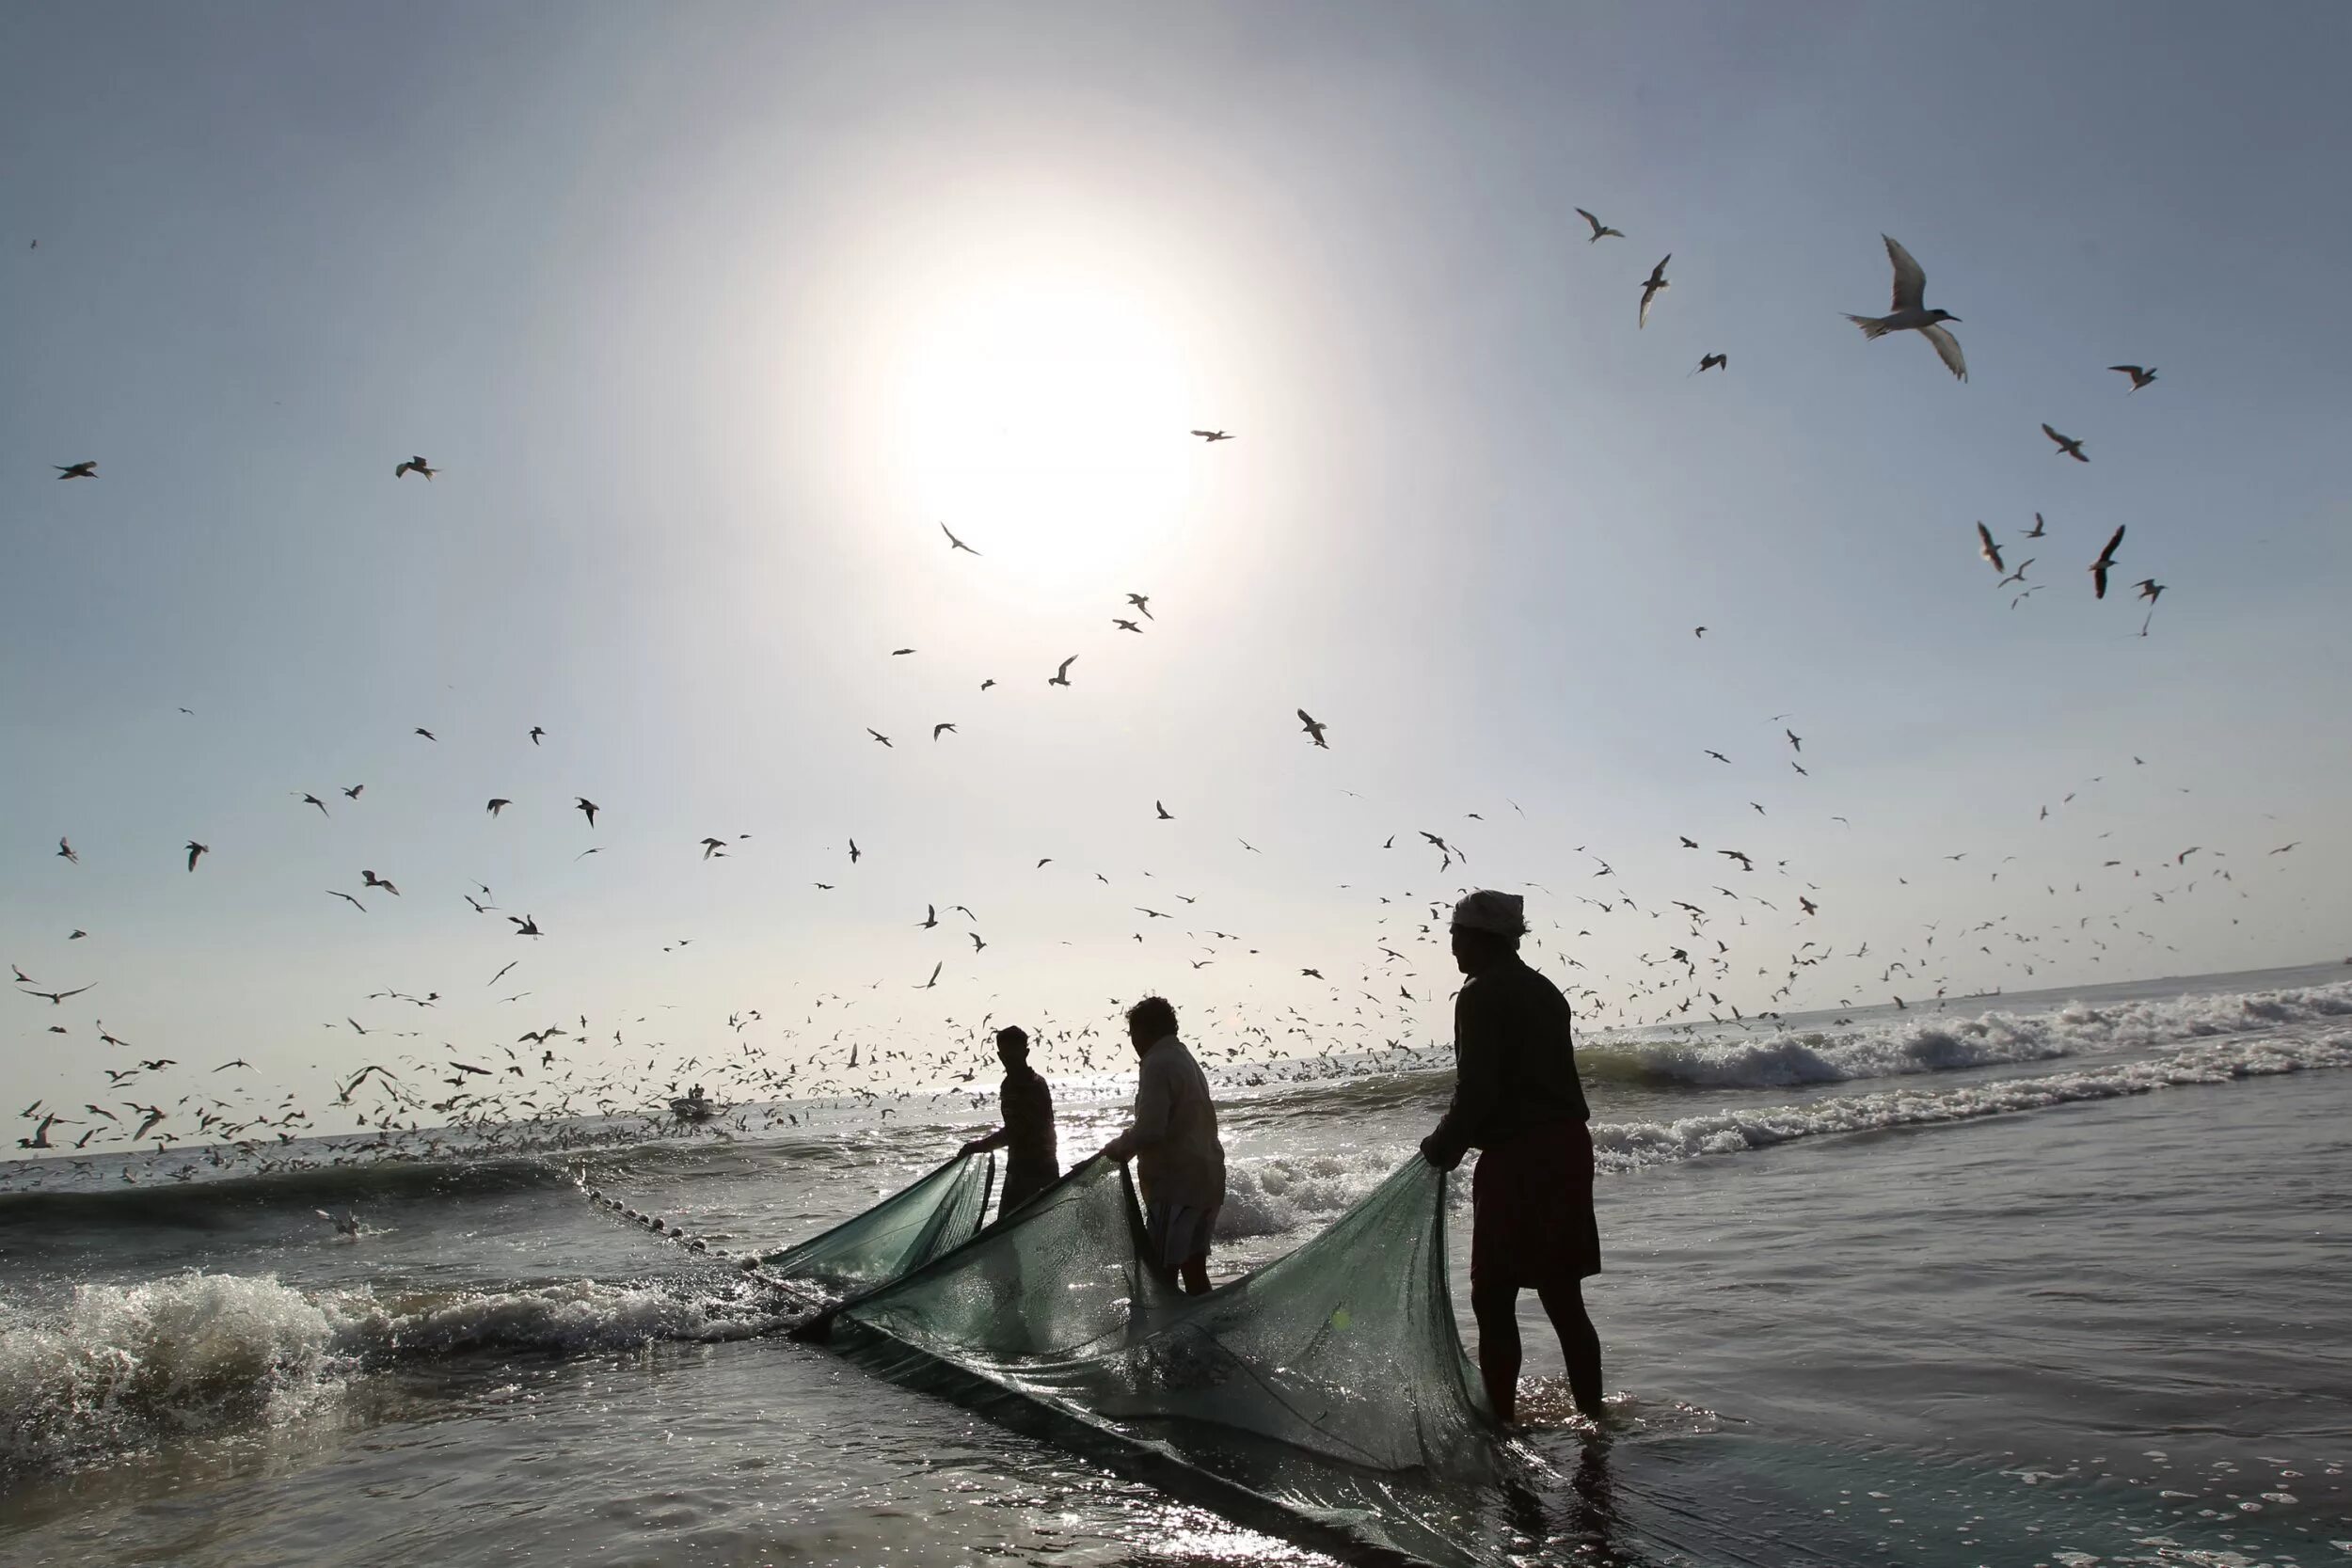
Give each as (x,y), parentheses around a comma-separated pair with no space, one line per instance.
(1180,1163)
(1518,1099)
(1025,1102)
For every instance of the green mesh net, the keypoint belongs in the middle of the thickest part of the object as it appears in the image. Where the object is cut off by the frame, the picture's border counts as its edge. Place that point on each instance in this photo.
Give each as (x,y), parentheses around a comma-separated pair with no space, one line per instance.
(1328,1387)
(901,1233)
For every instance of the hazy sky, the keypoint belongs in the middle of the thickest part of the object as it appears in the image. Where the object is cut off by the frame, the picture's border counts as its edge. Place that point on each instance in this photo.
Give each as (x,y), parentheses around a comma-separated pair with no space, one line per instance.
(711,315)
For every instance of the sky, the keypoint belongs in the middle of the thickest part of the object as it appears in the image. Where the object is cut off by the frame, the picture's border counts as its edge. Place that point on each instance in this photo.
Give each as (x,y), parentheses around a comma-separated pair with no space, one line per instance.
(709,318)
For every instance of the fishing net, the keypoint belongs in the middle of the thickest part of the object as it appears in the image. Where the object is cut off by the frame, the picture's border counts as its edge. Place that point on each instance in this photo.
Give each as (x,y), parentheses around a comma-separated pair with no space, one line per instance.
(1328,1387)
(903,1232)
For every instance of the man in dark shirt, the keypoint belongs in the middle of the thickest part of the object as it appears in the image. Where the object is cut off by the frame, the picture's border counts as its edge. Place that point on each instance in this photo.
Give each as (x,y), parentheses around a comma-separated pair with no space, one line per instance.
(1027,1102)
(1518,1099)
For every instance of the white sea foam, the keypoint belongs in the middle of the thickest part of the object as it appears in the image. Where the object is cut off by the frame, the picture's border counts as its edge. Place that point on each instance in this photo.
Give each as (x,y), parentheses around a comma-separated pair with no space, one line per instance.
(122,1368)
(1269,1197)
(1624,1146)
(1940,1044)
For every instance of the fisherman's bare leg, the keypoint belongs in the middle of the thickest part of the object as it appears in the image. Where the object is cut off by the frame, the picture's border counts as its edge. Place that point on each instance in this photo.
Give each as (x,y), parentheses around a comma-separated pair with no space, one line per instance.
(1496,1309)
(1580,1343)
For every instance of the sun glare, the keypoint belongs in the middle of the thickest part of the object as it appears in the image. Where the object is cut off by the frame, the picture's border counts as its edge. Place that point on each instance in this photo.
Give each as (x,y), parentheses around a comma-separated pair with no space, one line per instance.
(1045,422)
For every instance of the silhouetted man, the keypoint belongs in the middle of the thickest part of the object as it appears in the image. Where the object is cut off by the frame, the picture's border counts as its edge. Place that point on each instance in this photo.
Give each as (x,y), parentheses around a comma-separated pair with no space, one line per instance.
(1025,1102)
(1517,1101)
(1180,1161)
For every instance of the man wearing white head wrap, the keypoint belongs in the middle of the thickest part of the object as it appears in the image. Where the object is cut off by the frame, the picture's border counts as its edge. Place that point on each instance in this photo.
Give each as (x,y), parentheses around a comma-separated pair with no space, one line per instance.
(1517,1099)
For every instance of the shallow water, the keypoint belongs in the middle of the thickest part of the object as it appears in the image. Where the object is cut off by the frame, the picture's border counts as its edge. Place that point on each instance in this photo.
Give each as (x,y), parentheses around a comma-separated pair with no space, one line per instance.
(1955,1307)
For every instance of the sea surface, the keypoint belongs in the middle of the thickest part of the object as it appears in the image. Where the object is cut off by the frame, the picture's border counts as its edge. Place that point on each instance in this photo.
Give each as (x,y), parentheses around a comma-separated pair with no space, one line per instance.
(2061,1279)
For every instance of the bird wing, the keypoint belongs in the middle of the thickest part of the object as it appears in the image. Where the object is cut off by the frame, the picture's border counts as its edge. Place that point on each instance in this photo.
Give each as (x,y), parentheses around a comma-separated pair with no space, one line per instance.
(2054,436)
(1948,349)
(1911,284)
(1589,218)
(2107,556)
(2135,371)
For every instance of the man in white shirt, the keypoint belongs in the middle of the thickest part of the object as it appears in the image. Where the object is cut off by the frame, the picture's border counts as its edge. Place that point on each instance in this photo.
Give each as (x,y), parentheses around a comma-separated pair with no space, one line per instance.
(1180,1161)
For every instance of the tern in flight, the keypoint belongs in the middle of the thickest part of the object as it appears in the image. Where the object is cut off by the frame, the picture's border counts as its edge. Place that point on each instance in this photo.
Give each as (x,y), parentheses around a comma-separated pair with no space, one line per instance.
(1143,603)
(353,793)
(955,543)
(77,470)
(1126,626)
(2067,445)
(938,730)
(1712,362)
(57,998)
(498,803)
(1165,816)
(1651,289)
(1314,727)
(415,466)
(535,733)
(1910,312)
(879,736)
(2106,559)
(314,800)
(1600,229)
(1214,435)
(65,852)
(348,900)
(1987,549)
(2141,375)
(2037,530)
(368,878)
(586,808)
(195,852)
(427,733)
(1061,676)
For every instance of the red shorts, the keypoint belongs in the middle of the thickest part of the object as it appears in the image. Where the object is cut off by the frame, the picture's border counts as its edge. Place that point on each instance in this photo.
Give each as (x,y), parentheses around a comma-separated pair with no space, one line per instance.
(1531,1211)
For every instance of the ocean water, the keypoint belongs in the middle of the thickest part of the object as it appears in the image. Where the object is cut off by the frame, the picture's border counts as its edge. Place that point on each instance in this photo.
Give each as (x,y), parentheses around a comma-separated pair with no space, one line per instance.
(2056,1279)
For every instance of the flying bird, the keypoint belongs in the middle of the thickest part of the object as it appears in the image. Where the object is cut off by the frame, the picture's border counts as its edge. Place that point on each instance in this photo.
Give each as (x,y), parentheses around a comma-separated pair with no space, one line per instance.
(1651,289)
(1600,229)
(77,470)
(1164,814)
(348,900)
(1987,549)
(1126,626)
(368,878)
(2140,375)
(1214,435)
(195,852)
(57,998)
(586,808)
(353,793)
(313,801)
(525,926)
(1143,603)
(535,733)
(2106,559)
(2037,530)
(934,979)
(2150,589)
(1314,728)
(856,854)
(879,736)
(1061,676)
(65,852)
(1910,312)
(937,730)
(1712,362)
(2019,575)
(498,803)
(427,733)
(955,543)
(415,466)
(712,847)
(2067,445)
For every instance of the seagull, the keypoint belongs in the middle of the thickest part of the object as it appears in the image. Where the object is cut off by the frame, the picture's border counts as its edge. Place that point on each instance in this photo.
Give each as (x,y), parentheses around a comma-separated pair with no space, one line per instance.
(2140,375)
(856,854)
(937,730)
(196,852)
(976,944)
(57,998)
(1314,728)
(1213,436)
(2037,530)
(1719,756)
(1651,289)
(498,803)
(415,466)
(2019,575)
(2148,589)
(65,852)
(353,793)
(348,1225)
(77,470)
(1795,739)
(1126,626)
(1143,603)
(955,543)
(712,847)
(1164,814)
(314,800)
(986,684)
(1987,549)
(427,733)
(2067,445)
(368,878)
(585,807)
(527,927)
(934,979)
(1061,676)
(1600,229)
(348,900)
(535,733)
(1712,362)
(2106,559)
(1699,632)
(1908,312)
(879,736)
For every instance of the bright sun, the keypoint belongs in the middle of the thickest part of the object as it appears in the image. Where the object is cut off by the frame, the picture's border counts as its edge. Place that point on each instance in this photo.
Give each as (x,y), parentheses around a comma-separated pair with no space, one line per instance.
(1044,421)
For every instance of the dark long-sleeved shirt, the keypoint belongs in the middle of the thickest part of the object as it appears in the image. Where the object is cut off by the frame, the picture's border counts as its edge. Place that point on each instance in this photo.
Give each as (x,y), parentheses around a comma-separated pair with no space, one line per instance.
(1514,1062)
(1026,1103)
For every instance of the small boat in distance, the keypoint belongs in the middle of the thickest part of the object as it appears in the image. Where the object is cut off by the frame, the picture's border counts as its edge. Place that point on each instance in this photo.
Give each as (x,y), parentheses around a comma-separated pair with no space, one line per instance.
(693,1106)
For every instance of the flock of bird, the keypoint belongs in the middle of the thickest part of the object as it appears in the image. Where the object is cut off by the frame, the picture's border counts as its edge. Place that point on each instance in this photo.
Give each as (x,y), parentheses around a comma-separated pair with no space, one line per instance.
(574,1082)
